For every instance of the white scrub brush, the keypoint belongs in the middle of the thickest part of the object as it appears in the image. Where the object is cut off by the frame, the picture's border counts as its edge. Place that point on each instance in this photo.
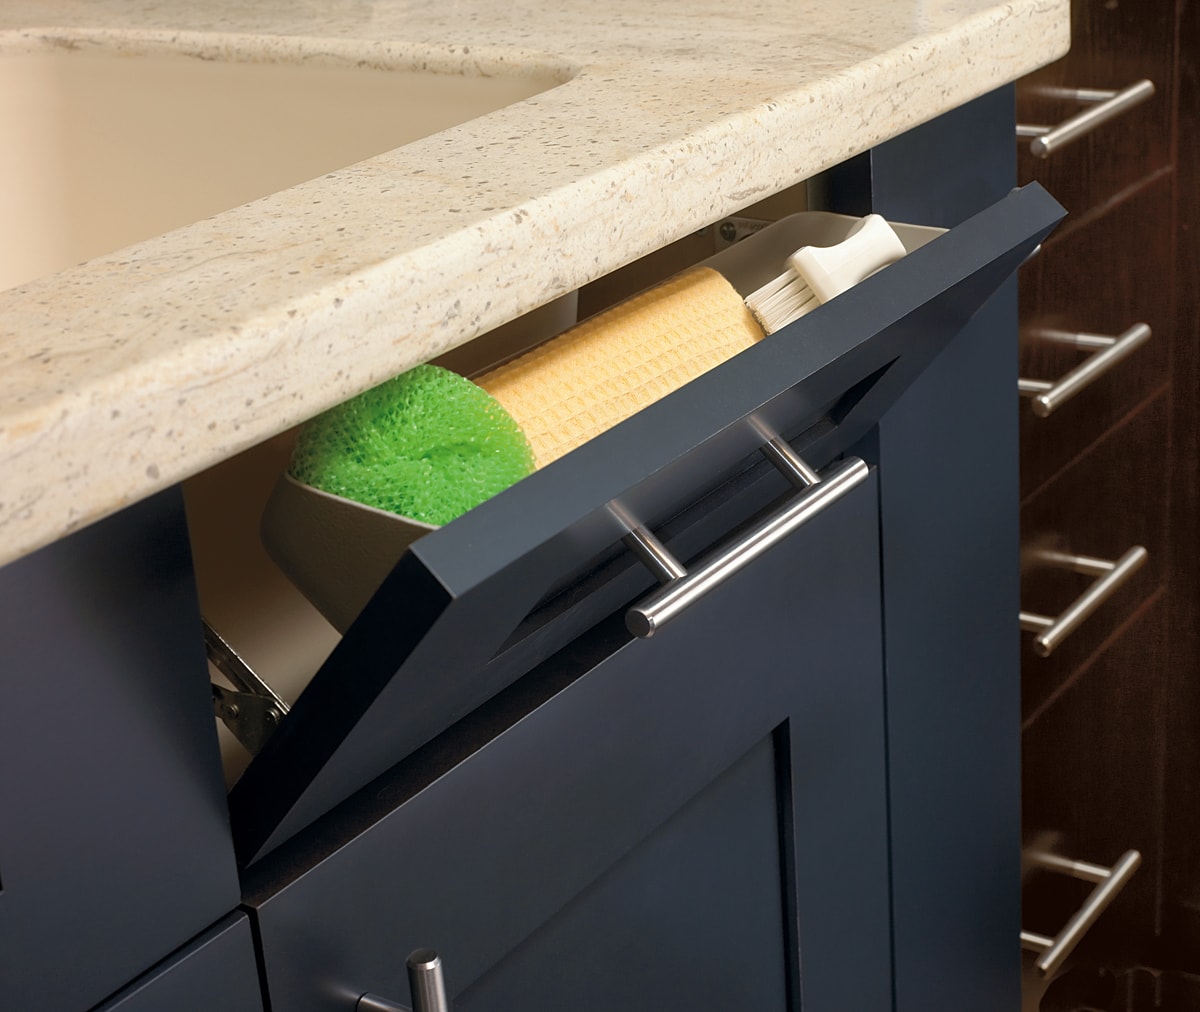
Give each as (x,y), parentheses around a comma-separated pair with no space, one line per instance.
(816,274)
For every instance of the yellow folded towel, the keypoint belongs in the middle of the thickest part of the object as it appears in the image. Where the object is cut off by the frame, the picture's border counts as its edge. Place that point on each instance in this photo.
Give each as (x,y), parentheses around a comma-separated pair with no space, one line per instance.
(607,368)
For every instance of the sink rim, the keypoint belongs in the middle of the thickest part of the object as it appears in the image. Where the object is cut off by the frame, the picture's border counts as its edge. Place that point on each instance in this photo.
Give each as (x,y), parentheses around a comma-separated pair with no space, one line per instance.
(264,47)
(427,64)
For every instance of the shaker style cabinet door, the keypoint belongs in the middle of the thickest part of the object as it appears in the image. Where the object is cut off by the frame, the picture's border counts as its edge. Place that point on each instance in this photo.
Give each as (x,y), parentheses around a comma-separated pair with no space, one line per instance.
(693,820)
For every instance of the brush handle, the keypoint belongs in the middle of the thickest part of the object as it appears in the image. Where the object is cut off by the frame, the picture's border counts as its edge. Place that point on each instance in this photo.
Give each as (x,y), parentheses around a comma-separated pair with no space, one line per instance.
(831,270)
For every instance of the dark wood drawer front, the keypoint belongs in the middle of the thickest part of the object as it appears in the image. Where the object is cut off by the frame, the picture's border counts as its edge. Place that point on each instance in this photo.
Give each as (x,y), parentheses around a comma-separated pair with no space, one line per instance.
(1094,279)
(114,836)
(1104,504)
(1113,46)
(215,973)
(646,824)
(1092,786)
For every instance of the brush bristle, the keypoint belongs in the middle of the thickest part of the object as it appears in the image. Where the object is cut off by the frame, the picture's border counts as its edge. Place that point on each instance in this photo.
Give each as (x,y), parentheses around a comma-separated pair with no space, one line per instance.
(781,301)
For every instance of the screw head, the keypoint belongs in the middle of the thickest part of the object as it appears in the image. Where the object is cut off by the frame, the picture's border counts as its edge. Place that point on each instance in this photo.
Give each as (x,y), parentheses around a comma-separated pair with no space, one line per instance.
(728,231)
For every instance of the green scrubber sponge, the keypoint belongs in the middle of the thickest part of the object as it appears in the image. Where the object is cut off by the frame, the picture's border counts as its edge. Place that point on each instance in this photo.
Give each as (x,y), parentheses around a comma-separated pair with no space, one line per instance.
(428,445)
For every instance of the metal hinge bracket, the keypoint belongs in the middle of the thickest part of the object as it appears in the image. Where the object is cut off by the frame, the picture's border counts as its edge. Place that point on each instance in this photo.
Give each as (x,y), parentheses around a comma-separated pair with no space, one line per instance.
(252,709)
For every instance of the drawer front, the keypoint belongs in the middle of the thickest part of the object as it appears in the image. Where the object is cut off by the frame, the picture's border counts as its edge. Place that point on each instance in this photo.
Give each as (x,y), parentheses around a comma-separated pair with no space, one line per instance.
(1113,46)
(114,835)
(1101,277)
(1092,788)
(214,973)
(1107,502)
(674,822)
(462,615)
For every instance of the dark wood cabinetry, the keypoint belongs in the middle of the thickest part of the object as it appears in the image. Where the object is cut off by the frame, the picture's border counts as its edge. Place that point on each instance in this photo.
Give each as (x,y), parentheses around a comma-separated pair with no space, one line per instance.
(1111,718)
(1179,652)
(1068,751)
(1096,276)
(1070,515)
(1113,45)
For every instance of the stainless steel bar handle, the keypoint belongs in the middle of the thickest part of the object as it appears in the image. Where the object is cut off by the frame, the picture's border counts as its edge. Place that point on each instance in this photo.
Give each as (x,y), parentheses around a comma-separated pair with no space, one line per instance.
(1049,396)
(425,981)
(1105,105)
(786,460)
(1110,575)
(652,552)
(1083,870)
(657,609)
(1109,883)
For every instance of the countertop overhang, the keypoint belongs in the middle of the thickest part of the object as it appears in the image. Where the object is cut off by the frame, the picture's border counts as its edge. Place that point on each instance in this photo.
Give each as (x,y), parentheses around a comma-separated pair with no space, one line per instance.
(135,370)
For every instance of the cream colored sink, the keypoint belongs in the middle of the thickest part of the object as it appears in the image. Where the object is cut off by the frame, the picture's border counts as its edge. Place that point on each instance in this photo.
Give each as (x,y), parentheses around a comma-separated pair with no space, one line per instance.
(100,148)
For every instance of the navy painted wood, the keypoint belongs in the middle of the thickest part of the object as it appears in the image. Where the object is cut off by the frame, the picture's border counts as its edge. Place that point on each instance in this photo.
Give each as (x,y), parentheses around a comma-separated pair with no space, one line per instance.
(639,824)
(429,648)
(215,973)
(948,467)
(114,836)
(619,944)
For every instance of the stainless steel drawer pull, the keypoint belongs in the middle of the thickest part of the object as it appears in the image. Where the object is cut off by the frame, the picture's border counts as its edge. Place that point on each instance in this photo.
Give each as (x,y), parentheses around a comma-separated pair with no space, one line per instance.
(683,587)
(1107,352)
(1110,575)
(424,980)
(1109,882)
(1105,105)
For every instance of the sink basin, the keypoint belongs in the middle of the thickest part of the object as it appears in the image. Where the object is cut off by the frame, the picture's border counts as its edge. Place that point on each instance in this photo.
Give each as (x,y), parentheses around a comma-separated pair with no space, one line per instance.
(100,148)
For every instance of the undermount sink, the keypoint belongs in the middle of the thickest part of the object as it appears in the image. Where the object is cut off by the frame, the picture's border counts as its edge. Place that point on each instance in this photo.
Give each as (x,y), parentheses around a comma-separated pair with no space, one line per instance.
(101,148)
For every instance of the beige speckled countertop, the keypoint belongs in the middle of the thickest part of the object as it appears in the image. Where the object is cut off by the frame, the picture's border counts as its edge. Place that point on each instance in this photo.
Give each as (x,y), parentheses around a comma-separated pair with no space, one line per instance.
(137,369)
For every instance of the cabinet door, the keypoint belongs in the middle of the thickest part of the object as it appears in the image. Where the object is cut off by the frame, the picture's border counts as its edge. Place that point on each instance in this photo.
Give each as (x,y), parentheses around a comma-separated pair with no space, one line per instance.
(214,973)
(695,820)
(114,838)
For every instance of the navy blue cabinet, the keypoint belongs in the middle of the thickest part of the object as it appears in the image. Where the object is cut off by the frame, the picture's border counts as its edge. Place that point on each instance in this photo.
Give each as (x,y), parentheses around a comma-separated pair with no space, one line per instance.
(576,818)
(216,972)
(949,494)
(657,825)
(803,792)
(114,833)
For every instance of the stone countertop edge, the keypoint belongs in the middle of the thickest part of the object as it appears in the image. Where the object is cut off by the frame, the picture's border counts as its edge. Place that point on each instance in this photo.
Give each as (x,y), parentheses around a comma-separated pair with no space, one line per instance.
(137,369)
